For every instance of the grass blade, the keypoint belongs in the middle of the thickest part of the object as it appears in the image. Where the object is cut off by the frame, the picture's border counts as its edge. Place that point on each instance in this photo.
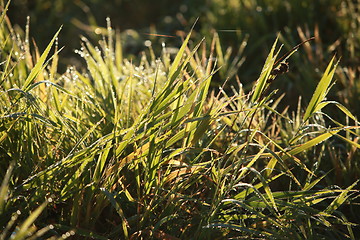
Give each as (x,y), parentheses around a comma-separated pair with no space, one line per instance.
(4,187)
(320,91)
(339,200)
(24,228)
(265,73)
(40,64)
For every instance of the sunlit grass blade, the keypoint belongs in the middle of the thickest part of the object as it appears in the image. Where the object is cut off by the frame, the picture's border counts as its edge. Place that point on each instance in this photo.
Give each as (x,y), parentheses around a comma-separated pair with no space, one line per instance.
(148,147)
(4,11)
(340,199)
(353,143)
(265,73)
(177,61)
(303,147)
(320,91)
(86,135)
(39,66)
(25,228)
(238,228)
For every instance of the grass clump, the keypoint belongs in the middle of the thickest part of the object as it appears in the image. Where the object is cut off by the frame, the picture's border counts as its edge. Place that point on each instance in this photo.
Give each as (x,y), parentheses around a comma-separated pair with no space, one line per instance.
(149,151)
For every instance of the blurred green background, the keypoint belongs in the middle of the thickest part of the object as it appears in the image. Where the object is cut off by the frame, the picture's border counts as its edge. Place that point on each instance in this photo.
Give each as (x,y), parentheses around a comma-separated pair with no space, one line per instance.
(233,19)
(254,23)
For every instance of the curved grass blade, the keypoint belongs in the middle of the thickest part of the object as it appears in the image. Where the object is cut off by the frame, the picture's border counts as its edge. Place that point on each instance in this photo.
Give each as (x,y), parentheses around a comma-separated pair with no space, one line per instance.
(321,91)
(40,64)
(265,73)
(25,228)
(339,200)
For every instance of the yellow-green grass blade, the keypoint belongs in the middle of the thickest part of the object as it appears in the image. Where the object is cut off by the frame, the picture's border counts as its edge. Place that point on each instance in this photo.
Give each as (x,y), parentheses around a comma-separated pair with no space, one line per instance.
(4,11)
(5,70)
(169,96)
(247,206)
(5,187)
(312,142)
(276,157)
(204,88)
(176,63)
(301,148)
(320,91)
(243,194)
(355,144)
(117,207)
(345,110)
(183,107)
(199,128)
(25,227)
(266,187)
(178,136)
(194,61)
(86,135)
(167,92)
(338,105)
(317,140)
(164,98)
(39,66)
(46,82)
(340,199)
(101,162)
(310,185)
(118,52)
(239,228)
(265,73)
(253,160)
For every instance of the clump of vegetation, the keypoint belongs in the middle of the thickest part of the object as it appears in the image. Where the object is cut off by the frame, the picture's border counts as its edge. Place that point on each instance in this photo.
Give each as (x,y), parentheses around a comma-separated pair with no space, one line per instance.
(119,150)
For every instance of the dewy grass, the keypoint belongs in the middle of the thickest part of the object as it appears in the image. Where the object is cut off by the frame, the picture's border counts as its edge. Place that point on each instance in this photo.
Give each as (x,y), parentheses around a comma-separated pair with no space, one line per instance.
(147,151)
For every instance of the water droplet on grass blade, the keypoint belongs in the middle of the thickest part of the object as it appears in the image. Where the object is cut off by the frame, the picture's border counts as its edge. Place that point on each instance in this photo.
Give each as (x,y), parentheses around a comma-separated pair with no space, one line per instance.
(147,43)
(97,31)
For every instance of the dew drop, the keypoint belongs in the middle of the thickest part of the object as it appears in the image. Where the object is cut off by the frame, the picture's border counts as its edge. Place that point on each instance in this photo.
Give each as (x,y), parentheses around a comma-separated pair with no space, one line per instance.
(147,43)
(98,31)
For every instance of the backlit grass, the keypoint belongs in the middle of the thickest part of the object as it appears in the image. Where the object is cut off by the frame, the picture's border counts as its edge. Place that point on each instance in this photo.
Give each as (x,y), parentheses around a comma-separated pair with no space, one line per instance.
(116,150)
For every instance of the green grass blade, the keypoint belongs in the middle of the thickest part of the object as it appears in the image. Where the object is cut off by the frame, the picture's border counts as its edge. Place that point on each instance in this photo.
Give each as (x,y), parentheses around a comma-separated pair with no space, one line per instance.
(239,228)
(86,135)
(176,63)
(355,144)
(320,91)
(346,111)
(4,188)
(24,227)
(4,11)
(340,199)
(119,210)
(313,142)
(265,73)
(40,64)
